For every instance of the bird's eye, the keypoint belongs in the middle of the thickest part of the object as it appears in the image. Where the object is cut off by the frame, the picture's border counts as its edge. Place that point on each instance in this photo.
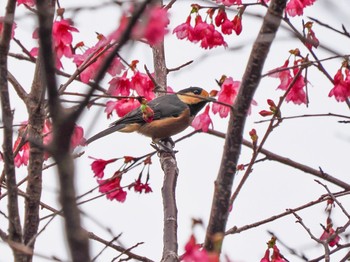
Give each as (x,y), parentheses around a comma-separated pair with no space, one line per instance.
(196,92)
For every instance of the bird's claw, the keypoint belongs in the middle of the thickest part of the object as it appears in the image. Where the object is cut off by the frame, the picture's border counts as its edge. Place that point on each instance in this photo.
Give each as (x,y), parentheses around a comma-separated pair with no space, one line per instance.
(161,146)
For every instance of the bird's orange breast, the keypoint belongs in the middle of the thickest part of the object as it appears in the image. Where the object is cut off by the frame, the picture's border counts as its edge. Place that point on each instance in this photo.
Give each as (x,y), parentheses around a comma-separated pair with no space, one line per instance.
(166,127)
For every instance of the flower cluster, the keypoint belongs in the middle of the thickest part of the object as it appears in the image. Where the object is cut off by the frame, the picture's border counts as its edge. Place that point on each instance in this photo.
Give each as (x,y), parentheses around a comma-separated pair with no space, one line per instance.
(62,40)
(291,80)
(227,25)
(207,32)
(90,61)
(22,147)
(151,27)
(137,85)
(202,32)
(225,98)
(111,187)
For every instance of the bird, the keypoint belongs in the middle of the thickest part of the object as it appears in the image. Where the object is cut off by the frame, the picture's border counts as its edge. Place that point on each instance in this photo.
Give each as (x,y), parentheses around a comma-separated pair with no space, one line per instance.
(162,117)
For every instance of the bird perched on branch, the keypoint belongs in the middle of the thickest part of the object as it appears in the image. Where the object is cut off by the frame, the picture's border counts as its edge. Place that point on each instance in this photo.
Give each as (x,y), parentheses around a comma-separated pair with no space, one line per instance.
(162,117)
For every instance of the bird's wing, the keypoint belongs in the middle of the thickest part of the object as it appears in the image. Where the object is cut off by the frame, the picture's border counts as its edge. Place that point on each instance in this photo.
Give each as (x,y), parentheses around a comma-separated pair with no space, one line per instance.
(163,106)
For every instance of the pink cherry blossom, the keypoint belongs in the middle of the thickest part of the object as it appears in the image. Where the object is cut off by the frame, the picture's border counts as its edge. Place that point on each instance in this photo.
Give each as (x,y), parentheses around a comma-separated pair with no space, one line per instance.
(120,85)
(297,93)
(227,27)
(276,255)
(99,165)
(156,26)
(95,53)
(237,24)
(77,138)
(143,85)
(139,187)
(220,17)
(62,37)
(202,32)
(111,187)
(227,95)
(193,252)
(62,40)
(296,7)
(341,89)
(202,121)
(121,107)
(266,257)
(152,26)
(284,75)
(184,30)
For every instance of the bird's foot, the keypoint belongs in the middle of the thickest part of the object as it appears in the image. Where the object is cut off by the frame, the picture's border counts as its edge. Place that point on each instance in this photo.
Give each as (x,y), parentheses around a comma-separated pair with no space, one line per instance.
(164,145)
(167,141)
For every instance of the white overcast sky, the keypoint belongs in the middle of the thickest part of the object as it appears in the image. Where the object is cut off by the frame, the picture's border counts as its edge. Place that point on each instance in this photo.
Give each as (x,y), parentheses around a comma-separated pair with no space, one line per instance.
(270,189)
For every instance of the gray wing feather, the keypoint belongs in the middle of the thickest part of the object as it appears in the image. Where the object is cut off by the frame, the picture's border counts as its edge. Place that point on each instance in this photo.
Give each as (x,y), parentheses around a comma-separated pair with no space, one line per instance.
(173,107)
(105,132)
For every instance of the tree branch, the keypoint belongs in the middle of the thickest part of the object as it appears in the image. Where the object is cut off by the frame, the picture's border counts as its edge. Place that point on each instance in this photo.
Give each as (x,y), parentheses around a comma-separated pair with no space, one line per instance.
(15,230)
(232,148)
(60,146)
(289,162)
(169,166)
(36,111)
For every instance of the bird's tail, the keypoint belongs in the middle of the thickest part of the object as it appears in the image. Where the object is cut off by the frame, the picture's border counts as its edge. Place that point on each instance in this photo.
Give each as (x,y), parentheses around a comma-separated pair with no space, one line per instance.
(105,132)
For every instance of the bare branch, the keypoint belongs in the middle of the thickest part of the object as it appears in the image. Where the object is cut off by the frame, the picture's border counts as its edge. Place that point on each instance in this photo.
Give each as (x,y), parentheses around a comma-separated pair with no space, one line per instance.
(236,230)
(118,248)
(18,87)
(289,162)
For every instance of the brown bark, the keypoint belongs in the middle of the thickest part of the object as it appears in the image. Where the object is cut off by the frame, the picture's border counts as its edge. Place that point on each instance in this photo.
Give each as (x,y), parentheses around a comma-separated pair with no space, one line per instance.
(35,107)
(14,229)
(169,166)
(233,142)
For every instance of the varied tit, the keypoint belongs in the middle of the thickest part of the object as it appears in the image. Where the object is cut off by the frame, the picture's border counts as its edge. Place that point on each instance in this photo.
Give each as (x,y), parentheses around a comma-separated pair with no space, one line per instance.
(170,114)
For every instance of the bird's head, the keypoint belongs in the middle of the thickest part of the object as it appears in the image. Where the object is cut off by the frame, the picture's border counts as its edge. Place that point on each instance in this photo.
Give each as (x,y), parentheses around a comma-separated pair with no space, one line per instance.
(195,98)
